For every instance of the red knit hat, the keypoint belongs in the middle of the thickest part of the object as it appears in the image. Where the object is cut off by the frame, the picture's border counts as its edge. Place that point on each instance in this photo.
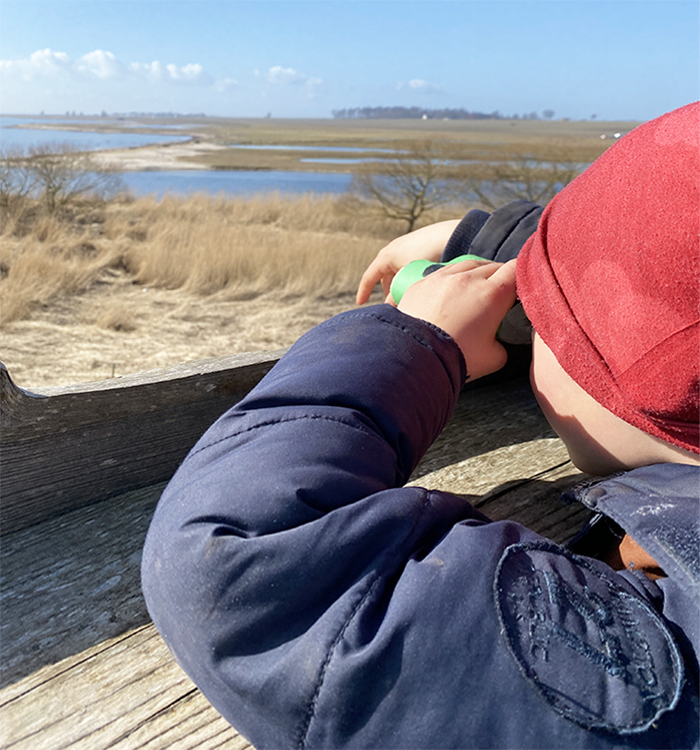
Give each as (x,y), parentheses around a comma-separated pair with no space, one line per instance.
(611,278)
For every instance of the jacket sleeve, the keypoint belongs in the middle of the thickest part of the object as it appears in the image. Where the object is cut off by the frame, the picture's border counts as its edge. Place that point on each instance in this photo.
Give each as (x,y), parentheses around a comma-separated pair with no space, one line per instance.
(286,514)
(317,602)
(498,236)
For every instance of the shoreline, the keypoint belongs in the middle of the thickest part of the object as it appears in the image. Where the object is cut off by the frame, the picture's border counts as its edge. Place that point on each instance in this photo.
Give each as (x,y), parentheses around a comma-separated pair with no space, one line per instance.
(158,157)
(277,144)
(200,154)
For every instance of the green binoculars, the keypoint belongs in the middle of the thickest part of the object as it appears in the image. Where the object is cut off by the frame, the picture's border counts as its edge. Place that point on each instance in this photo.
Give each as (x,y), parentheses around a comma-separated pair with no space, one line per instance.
(515,328)
(417,270)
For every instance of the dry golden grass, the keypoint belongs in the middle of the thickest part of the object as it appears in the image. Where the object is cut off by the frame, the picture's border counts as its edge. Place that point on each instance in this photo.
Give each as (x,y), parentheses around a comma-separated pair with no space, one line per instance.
(49,260)
(303,246)
(117,317)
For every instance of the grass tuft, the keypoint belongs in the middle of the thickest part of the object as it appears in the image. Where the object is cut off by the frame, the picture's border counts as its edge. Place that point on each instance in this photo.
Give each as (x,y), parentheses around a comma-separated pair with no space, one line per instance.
(117,317)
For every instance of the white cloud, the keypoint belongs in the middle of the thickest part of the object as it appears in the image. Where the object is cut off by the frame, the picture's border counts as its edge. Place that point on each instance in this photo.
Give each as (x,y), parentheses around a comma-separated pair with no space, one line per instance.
(279,76)
(152,71)
(419,86)
(156,72)
(53,80)
(101,65)
(43,62)
(193,72)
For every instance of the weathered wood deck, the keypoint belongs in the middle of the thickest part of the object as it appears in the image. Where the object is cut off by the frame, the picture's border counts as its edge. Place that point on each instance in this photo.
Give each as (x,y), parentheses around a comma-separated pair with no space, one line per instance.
(82,470)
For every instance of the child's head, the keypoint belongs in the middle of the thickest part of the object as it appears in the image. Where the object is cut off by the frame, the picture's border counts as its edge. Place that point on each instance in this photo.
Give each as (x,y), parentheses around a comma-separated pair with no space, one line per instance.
(610,281)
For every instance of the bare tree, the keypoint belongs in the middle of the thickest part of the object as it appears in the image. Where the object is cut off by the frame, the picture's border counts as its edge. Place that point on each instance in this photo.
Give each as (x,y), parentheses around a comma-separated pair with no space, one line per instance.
(537,175)
(407,186)
(62,175)
(16,181)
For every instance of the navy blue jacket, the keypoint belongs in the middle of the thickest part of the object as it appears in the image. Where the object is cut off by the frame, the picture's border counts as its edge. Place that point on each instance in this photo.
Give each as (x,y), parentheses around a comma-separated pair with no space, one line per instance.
(317,602)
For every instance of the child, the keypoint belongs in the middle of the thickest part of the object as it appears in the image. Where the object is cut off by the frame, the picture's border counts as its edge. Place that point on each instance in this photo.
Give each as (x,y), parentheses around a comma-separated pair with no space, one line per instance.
(317,602)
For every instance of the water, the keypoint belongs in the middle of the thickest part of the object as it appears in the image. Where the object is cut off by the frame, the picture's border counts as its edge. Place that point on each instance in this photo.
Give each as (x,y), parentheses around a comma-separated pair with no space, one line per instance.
(83,140)
(381,160)
(177,182)
(236,182)
(185,182)
(330,160)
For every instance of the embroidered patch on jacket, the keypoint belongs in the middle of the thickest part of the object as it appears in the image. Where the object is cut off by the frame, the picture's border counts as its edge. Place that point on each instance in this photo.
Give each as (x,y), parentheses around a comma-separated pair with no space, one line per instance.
(597,653)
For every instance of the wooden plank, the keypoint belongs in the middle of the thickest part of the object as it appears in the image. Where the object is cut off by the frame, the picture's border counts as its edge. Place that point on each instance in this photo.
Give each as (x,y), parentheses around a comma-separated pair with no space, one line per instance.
(485,419)
(127,693)
(537,504)
(22,688)
(83,567)
(533,499)
(79,674)
(72,582)
(500,454)
(189,723)
(80,444)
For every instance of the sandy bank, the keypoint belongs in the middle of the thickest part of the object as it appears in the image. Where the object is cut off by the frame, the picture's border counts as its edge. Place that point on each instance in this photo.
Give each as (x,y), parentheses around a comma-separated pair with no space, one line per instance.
(162,156)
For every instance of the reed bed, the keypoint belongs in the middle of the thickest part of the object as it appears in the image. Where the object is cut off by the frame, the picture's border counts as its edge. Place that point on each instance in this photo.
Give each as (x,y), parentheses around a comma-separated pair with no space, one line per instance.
(48,261)
(240,248)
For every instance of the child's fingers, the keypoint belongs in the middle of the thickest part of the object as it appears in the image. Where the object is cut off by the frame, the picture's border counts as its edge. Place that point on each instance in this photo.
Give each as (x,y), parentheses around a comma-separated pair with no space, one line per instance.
(369,280)
(501,277)
(505,274)
(379,270)
(503,281)
(427,242)
(469,301)
(485,269)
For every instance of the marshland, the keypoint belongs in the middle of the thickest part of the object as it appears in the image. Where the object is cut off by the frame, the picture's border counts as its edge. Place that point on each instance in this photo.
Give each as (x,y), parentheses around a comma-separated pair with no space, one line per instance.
(108,283)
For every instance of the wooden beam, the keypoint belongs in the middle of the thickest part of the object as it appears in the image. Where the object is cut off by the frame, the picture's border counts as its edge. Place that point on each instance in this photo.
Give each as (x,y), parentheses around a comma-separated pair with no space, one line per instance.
(125,693)
(77,445)
(85,669)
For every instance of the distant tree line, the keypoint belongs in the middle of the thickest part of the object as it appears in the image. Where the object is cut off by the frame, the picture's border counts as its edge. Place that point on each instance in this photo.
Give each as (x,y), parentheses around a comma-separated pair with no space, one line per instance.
(418,113)
(411,113)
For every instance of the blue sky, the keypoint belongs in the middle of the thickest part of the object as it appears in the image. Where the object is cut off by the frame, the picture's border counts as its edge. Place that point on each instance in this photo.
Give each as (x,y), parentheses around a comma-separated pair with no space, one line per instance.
(629,59)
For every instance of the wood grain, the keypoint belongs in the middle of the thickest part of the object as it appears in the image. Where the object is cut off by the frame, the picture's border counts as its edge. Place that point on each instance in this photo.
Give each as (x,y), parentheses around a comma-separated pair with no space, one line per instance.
(126,692)
(78,445)
(82,665)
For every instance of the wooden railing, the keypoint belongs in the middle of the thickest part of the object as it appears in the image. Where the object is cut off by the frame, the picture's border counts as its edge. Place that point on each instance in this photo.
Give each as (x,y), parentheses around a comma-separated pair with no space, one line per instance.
(82,470)
(80,444)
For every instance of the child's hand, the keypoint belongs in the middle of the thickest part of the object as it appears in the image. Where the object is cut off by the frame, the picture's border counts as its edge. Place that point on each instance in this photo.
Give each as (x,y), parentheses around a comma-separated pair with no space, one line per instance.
(427,242)
(468,301)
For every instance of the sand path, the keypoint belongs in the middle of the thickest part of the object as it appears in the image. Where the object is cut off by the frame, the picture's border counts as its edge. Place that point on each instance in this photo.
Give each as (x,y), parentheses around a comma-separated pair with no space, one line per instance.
(64,343)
